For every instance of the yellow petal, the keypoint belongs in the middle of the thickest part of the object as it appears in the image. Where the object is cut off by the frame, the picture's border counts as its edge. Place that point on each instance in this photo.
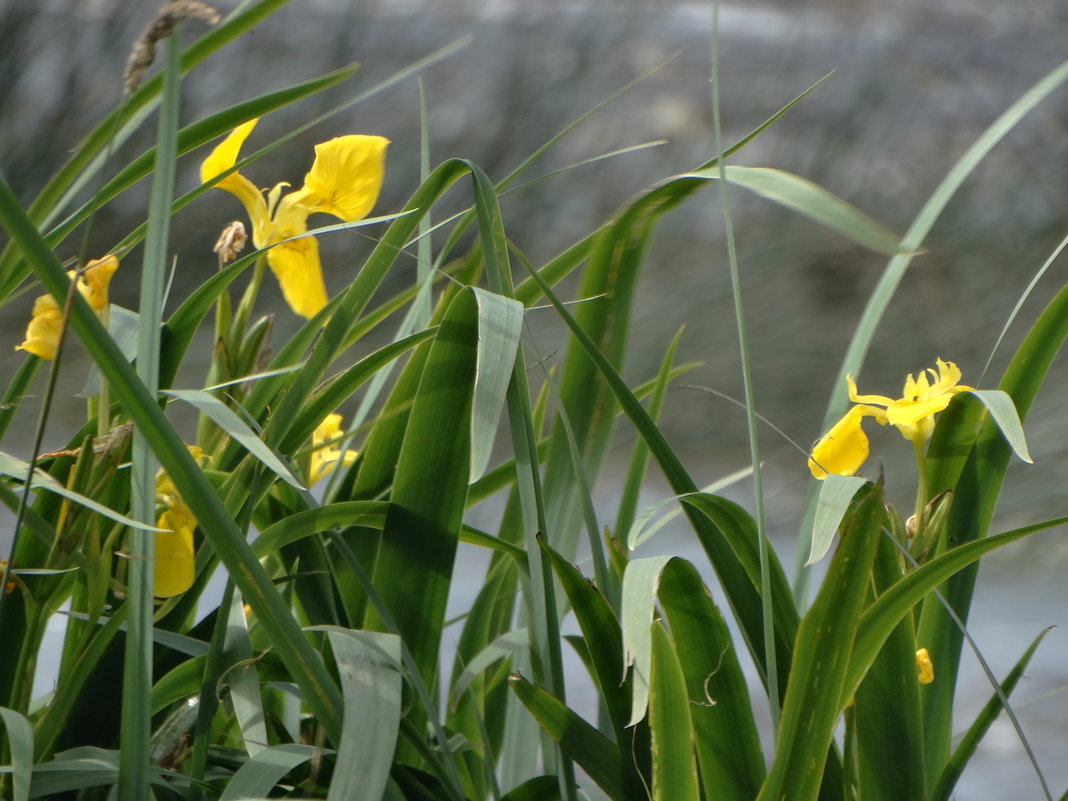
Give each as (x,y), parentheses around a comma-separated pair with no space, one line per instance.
(95,279)
(346,176)
(174,564)
(224,156)
(327,455)
(878,400)
(925,666)
(42,334)
(296,266)
(843,449)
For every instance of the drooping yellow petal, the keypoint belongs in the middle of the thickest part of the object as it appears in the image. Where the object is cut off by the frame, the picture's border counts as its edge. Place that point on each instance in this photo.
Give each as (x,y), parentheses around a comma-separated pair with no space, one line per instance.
(42,334)
(326,455)
(174,564)
(843,449)
(925,666)
(345,177)
(296,266)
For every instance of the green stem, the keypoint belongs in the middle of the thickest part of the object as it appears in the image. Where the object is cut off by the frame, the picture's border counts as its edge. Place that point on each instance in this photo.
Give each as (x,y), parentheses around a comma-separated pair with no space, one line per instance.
(920,452)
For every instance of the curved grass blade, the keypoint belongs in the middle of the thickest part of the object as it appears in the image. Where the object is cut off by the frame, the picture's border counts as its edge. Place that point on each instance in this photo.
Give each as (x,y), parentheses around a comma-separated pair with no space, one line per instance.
(810,200)
(581,742)
(260,774)
(225,417)
(500,322)
(836,493)
(369,664)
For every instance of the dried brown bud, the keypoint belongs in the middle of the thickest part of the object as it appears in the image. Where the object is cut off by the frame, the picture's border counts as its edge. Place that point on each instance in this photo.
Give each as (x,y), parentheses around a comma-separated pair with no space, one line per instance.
(144,49)
(231,241)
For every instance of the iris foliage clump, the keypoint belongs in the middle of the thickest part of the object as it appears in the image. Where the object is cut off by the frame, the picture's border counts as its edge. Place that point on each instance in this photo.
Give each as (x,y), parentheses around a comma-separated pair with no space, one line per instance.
(329,482)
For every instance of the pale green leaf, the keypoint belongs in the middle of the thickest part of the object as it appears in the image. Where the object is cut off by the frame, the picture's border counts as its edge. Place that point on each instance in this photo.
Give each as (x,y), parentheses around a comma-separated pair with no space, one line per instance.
(641,530)
(259,775)
(502,647)
(369,666)
(500,323)
(1004,413)
(836,493)
(812,201)
(20,746)
(640,583)
(225,417)
(16,468)
(244,681)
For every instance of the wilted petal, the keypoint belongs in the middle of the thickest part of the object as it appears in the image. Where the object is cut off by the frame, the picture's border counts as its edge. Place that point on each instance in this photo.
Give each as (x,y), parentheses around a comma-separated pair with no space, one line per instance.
(346,176)
(296,266)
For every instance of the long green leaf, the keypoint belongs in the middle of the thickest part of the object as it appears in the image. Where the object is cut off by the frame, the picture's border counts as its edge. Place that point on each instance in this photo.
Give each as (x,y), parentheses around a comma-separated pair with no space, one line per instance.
(595,753)
(257,777)
(729,755)
(20,745)
(812,201)
(369,664)
(825,639)
(670,725)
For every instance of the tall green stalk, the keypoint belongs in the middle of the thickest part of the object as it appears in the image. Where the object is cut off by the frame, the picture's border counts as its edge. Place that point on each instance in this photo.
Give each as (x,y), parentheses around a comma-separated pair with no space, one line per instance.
(137,680)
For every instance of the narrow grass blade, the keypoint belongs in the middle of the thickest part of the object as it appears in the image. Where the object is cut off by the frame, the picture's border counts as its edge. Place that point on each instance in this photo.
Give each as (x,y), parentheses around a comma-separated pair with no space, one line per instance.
(429,490)
(1003,412)
(16,468)
(134,752)
(244,680)
(640,584)
(20,746)
(670,725)
(502,647)
(966,749)
(889,734)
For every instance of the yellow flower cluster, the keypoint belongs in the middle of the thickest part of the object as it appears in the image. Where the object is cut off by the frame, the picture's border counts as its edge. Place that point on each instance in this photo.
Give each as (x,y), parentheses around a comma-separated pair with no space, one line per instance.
(42,334)
(344,181)
(843,449)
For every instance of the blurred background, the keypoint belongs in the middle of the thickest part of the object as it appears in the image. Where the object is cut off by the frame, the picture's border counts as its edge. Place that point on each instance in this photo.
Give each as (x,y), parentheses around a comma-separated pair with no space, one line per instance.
(914,83)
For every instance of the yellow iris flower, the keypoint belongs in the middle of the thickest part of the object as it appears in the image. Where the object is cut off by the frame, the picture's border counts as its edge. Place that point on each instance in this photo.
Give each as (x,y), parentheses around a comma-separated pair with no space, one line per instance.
(174,563)
(344,181)
(843,449)
(326,454)
(42,334)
